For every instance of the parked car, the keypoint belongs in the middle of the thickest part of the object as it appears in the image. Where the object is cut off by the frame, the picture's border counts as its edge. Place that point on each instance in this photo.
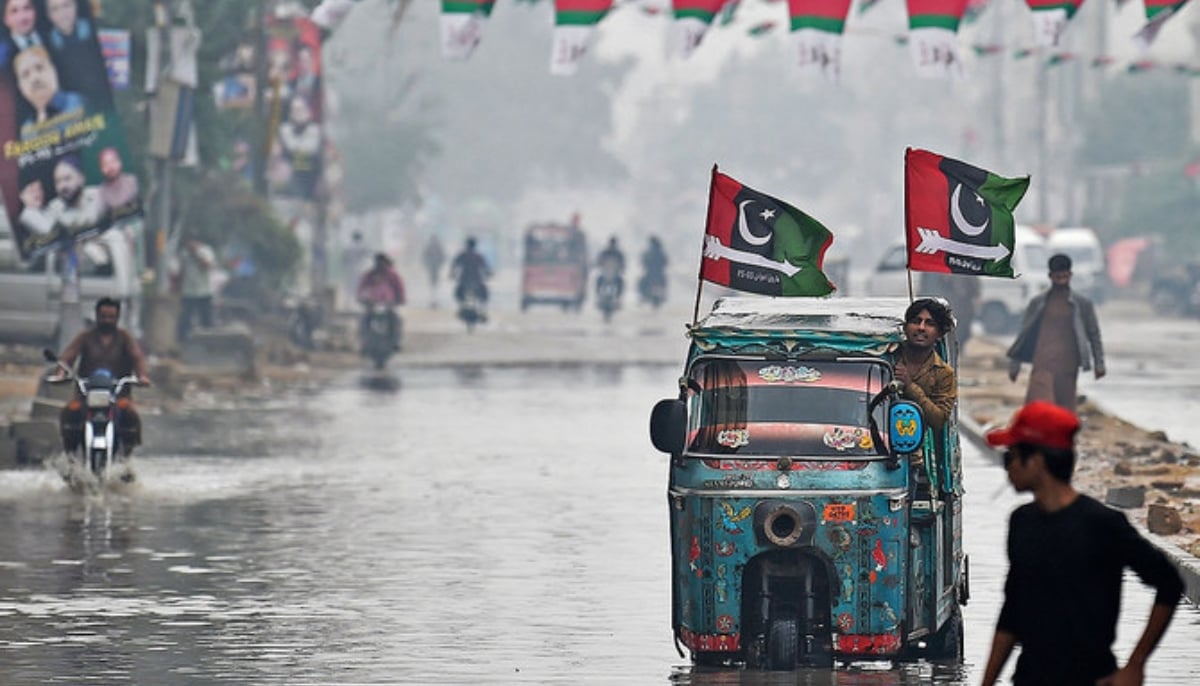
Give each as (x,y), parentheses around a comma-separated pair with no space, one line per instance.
(1001,301)
(31,290)
(1089,273)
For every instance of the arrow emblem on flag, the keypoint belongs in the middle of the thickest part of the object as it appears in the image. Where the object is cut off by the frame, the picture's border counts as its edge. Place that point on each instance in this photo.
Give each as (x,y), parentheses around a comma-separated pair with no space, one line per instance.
(933,242)
(715,250)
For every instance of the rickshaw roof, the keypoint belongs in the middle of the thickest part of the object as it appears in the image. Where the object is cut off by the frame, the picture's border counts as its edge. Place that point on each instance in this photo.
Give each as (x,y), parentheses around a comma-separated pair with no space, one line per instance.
(869,325)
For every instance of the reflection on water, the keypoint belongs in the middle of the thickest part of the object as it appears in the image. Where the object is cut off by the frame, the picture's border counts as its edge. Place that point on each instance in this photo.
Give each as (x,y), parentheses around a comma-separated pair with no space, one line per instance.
(486,526)
(870,674)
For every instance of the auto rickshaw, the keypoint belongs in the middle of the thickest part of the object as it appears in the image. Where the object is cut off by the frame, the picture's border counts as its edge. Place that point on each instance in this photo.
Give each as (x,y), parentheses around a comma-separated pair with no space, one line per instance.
(555,266)
(814,517)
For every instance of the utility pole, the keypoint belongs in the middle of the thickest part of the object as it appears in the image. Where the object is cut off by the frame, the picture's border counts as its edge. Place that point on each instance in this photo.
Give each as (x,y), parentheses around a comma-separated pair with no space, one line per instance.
(1043,112)
(262,145)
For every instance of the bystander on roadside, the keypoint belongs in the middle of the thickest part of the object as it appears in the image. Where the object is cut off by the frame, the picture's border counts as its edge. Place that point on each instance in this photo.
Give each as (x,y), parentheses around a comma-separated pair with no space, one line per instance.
(1059,335)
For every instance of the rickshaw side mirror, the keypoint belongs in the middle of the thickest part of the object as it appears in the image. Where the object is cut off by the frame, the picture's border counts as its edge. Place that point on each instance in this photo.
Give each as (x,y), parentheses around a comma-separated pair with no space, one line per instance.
(906,427)
(668,424)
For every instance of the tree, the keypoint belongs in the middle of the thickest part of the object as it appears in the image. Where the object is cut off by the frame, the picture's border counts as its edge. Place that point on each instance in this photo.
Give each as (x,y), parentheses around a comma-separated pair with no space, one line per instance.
(239,211)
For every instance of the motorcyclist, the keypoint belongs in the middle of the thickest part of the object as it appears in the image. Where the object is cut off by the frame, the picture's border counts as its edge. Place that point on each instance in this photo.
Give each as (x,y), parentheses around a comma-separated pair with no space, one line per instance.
(381,285)
(654,272)
(103,347)
(470,270)
(611,262)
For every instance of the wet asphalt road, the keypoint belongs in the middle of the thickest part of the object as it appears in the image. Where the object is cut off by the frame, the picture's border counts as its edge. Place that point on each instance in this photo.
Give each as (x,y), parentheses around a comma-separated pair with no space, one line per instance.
(440,525)
(482,526)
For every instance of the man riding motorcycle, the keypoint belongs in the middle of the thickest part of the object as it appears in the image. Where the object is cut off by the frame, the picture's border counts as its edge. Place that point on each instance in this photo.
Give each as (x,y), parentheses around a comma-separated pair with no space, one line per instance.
(652,286)
(103,347)
(381,285)
(611,262)
(470,270)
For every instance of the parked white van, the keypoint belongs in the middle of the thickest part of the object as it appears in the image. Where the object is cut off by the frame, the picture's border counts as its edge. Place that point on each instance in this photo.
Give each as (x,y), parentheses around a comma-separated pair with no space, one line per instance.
(1001,301)
(31,290)
(1089,273)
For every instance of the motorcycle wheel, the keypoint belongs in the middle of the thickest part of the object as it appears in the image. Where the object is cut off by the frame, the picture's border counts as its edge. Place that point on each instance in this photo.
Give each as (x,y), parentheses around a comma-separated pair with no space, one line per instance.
(96,462)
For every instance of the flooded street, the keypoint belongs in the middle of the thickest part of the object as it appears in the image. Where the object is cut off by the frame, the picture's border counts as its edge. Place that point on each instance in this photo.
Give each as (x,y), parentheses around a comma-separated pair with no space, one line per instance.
(475,525)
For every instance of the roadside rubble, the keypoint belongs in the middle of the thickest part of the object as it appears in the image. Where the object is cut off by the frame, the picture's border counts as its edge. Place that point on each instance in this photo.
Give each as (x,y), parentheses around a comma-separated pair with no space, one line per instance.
(1154,481)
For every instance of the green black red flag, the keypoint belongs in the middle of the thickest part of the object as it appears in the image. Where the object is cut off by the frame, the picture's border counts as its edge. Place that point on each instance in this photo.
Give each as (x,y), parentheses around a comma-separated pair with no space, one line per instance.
(754,242)
(958,217)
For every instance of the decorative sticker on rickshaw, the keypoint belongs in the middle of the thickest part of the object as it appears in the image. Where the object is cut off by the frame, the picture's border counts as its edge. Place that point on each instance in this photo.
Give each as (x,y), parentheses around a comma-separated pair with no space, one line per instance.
(725,623)
(830,465)
(835,513)
(721,586)
(731,481)
(694,556)
(839,538)
(730,517)
(845,622)
(878,560)
(888,615)
(725,548)
(780,374)
(840,438)
(733,438)
(847,583)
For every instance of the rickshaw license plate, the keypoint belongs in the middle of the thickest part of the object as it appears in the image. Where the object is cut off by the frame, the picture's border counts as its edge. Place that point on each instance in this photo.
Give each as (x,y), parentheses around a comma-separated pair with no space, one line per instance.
(838,512)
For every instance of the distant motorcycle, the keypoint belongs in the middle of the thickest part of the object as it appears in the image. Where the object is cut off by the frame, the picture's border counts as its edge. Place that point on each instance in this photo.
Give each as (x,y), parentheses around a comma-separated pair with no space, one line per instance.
(303,318)
(379,340)
(99,450)
(608,292)
(472,307)
(652,288)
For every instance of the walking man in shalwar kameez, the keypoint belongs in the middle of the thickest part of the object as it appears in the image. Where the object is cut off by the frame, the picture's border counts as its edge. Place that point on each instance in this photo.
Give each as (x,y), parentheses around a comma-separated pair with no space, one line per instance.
(1059,336)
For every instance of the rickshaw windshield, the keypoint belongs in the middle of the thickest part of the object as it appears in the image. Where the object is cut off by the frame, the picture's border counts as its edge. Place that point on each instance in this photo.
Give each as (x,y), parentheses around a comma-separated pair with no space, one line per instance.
(553,245)
(808,409)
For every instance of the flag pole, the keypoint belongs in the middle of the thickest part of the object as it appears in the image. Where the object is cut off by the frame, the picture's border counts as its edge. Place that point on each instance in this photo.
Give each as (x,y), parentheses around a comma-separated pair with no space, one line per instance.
(712,185)
(907,248)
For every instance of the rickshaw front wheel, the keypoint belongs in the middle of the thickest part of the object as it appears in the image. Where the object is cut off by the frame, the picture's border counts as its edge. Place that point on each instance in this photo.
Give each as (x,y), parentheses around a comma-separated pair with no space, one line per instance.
(783,644)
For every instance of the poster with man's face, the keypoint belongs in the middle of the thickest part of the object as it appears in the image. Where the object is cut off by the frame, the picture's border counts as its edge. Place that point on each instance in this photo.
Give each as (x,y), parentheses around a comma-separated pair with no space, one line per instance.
(294,77)
(63,164)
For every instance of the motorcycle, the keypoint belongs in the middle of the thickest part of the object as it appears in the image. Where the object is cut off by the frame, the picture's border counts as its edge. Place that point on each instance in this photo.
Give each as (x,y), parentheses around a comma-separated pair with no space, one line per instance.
(652,287)
(472,307)
(303,318)
(379,340)
(100,449)
(608,292)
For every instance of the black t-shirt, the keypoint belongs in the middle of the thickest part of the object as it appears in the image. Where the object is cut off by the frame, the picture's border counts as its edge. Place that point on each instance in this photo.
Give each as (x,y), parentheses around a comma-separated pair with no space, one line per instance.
(1063,592)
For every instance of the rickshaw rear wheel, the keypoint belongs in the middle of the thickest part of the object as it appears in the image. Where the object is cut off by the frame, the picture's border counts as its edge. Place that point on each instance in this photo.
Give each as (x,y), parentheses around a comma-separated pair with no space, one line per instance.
(947,643)
(783,644)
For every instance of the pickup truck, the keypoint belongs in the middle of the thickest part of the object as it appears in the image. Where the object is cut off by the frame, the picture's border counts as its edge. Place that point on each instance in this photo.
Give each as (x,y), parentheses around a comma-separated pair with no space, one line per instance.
(31,290)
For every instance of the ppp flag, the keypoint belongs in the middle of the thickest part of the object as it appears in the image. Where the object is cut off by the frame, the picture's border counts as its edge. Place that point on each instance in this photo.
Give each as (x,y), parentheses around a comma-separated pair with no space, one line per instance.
(958,218)
(756,243)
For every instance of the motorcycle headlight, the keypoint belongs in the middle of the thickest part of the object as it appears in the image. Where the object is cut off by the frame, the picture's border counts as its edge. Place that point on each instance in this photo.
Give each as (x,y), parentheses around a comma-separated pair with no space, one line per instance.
(97,399)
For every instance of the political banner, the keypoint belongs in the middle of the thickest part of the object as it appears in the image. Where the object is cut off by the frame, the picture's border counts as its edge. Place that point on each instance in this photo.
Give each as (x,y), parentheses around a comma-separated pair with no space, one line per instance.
(62,173)
(296,106)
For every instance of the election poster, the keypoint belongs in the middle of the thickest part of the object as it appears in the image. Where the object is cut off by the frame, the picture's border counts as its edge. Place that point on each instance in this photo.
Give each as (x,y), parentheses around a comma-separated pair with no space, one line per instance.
(63,172)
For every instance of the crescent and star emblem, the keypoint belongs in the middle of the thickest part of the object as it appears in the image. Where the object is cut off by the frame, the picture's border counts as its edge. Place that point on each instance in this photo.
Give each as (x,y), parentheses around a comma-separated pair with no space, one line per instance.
(960,221)
(744,228)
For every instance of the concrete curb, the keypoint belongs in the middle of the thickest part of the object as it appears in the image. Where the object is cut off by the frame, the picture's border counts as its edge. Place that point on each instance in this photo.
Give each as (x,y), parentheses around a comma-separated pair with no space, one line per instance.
(1187,564)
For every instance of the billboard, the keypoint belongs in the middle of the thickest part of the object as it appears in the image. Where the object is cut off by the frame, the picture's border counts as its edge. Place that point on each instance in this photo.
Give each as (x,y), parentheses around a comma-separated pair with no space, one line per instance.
(296,107)
(62,171)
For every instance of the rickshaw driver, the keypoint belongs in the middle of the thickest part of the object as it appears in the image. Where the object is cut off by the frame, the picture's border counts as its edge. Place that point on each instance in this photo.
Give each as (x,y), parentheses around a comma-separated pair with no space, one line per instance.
(924,377)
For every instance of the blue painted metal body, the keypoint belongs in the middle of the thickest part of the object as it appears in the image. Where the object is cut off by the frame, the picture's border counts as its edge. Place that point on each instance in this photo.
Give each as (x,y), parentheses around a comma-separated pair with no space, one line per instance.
(776,393)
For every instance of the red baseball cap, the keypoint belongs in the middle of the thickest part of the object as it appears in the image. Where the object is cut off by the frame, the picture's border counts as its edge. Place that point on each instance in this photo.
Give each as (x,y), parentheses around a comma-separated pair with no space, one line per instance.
(1038,423)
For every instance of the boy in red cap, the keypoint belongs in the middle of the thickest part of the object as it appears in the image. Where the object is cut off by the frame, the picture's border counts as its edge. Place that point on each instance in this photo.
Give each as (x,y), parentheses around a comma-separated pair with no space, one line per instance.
(1067,553)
